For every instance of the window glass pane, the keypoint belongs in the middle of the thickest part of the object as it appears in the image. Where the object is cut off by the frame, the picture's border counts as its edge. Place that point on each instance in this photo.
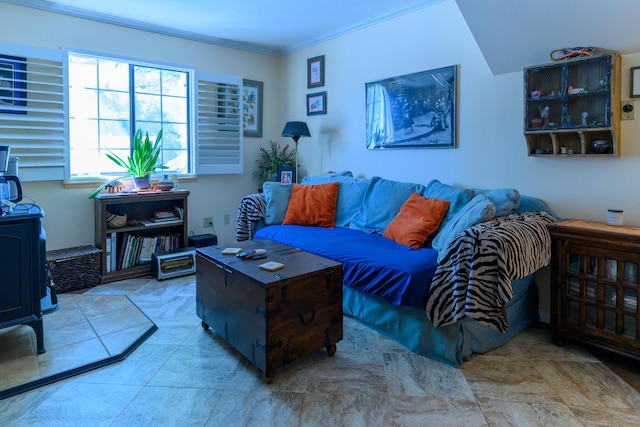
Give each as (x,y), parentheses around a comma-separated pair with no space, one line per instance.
(592,316)
(592,290)
(574,287)
(174,109)
(611,269)
(574,263)
(83,72)
(630,299)
(83,103)
(174,83)
(113,75)
(114,105)
(610,320)
(631,272)
(148,107)
(146,80)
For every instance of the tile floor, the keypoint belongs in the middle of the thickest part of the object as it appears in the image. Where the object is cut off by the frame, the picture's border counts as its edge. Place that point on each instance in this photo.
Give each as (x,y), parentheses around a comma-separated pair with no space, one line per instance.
(185,376)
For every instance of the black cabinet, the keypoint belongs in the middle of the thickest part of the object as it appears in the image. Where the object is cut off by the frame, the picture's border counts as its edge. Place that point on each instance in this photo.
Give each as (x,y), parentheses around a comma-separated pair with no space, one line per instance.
(22,271)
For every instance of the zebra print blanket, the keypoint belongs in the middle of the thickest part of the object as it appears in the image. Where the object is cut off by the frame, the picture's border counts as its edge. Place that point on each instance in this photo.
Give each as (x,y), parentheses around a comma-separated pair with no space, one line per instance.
(474,277)
(251,209)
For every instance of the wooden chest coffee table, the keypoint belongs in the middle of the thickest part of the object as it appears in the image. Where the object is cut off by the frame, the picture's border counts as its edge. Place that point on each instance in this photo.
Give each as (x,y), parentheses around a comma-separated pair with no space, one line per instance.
(271,317)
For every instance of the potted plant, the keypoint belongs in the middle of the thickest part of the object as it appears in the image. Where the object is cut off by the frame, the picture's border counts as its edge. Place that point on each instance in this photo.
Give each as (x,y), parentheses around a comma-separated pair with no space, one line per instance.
(271,158)
(142,162)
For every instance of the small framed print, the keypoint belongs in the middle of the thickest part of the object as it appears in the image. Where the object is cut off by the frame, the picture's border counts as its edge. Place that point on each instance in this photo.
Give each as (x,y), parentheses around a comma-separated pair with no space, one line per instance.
(287,175)
(635,82)
(12,84)
(315,72)
(252,108)
(316,103)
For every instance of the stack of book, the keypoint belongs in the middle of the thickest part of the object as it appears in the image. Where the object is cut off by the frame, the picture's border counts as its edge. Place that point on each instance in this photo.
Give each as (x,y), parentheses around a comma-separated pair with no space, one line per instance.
(132,250)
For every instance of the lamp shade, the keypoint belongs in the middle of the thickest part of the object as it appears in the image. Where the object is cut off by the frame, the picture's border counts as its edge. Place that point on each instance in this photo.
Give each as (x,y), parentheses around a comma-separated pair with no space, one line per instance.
(295,130)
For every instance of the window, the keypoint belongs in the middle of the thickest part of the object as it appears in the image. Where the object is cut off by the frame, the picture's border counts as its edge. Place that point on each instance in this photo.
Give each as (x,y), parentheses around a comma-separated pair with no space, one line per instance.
(65,108)
(110,99)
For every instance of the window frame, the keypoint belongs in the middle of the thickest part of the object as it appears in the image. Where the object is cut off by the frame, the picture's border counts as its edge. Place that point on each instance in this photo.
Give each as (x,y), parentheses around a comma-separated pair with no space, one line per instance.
(192,102)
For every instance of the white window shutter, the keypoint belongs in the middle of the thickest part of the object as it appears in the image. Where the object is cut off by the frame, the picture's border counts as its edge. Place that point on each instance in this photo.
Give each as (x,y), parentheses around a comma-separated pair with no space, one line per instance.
(35,131)
(219,124)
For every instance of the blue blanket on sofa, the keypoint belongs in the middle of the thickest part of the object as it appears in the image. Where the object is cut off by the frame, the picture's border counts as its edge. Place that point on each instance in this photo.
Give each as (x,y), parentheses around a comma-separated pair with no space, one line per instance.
(370,263)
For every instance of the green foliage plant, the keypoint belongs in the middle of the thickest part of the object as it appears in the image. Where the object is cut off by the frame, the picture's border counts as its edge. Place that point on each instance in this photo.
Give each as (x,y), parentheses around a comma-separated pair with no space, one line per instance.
(142,162)
(271,158)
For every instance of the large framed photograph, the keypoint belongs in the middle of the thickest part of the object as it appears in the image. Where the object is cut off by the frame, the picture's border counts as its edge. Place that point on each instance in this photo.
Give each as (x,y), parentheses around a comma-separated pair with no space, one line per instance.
(635,82)
(252,108)
(287,175)
(316,103)
(315,72)
(13,84)
(413,111)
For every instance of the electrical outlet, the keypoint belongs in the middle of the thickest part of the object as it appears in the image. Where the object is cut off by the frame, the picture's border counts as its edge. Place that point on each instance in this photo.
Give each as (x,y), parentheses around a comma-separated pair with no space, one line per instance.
(207,221)
(226,219)
(628,110)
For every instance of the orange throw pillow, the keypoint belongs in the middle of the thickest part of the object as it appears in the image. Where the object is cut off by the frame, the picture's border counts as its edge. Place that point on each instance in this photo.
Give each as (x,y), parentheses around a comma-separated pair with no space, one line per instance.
(418,219)
(312,205)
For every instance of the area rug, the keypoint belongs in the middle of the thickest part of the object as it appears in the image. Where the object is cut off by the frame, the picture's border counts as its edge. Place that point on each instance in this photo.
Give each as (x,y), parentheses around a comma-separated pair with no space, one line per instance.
(85,333)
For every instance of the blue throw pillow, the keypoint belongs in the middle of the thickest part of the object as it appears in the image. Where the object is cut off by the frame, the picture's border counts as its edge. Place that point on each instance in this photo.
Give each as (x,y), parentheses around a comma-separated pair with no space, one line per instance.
(533,204)
(505,199)
(277,196)
(458,197)
(325,178)
(382,202)
(479,209)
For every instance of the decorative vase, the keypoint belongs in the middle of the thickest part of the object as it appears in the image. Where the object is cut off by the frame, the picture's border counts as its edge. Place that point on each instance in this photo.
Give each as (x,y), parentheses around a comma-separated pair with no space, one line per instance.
(142,182)
(165,183)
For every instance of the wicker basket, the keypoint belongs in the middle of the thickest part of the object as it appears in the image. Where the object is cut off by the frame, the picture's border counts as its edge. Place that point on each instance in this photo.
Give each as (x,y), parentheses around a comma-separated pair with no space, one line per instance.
(116,219)
(75,268)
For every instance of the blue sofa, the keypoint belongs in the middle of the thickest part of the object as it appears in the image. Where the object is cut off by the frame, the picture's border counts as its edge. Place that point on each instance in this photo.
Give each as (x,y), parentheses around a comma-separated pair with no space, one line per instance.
(388,285)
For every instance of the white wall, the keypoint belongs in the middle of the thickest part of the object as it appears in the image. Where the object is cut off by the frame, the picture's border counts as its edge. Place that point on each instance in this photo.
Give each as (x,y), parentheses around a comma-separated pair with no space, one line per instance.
(491,149)
(69,219)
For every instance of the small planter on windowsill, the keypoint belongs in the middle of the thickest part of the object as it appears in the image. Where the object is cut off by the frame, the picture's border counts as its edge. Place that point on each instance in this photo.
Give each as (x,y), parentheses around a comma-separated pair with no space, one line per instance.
(141,164)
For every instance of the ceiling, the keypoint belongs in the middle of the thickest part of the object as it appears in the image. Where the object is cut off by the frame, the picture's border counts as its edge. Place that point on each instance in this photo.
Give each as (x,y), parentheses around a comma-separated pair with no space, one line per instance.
(273,27)
(511,34)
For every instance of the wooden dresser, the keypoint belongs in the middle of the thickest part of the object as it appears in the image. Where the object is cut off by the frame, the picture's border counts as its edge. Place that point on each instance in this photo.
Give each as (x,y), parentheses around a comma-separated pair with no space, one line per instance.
(594,295)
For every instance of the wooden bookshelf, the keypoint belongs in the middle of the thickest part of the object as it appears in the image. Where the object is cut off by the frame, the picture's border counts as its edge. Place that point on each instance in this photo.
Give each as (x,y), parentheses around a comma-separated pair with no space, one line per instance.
(140,208)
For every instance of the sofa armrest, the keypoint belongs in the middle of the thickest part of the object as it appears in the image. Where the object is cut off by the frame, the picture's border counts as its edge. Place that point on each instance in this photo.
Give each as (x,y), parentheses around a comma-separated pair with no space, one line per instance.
(252,209)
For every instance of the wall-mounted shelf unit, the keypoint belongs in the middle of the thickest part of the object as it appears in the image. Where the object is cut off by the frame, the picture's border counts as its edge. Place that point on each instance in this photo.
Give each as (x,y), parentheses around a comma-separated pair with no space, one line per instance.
(572,108)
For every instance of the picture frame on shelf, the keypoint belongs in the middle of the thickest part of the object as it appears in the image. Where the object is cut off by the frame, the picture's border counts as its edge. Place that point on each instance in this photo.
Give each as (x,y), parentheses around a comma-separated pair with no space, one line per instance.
(315,72)
(252,107)
(417,110)
(287,175)
(13,84)
(634,83)
(316,103)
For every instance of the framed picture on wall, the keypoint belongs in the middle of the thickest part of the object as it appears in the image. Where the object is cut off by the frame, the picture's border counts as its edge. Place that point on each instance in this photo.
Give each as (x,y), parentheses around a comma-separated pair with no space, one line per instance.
(315,72)
(252,108)
(413,111)
(287,175)
(316,103)
(13,84)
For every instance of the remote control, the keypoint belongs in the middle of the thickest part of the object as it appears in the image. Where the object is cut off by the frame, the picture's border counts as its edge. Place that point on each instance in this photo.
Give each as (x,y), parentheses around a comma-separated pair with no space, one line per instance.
(246,253)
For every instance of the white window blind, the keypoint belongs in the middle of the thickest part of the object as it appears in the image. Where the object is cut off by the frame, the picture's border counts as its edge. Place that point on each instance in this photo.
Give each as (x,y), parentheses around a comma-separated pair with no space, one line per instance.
(32,109)
(219,126)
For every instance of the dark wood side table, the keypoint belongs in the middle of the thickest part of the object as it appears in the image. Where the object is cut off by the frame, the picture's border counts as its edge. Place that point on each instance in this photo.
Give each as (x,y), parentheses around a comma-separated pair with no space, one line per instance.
(594,295)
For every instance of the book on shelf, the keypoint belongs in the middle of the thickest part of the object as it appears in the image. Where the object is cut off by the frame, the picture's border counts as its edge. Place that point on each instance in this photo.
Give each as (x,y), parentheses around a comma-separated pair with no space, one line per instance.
(108,253)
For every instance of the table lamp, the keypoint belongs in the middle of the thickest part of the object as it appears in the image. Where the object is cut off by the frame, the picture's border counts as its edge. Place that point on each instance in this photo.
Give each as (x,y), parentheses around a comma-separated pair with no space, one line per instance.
(295,130)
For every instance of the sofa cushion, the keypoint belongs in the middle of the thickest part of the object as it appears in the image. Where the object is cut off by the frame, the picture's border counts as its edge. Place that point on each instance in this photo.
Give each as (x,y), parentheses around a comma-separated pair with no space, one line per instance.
(533,204)
(382,202)
(505,199)
(325,177)
(312,205)
(458,197)
(417,221)
(277,196)
(350,194)
(479,209)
